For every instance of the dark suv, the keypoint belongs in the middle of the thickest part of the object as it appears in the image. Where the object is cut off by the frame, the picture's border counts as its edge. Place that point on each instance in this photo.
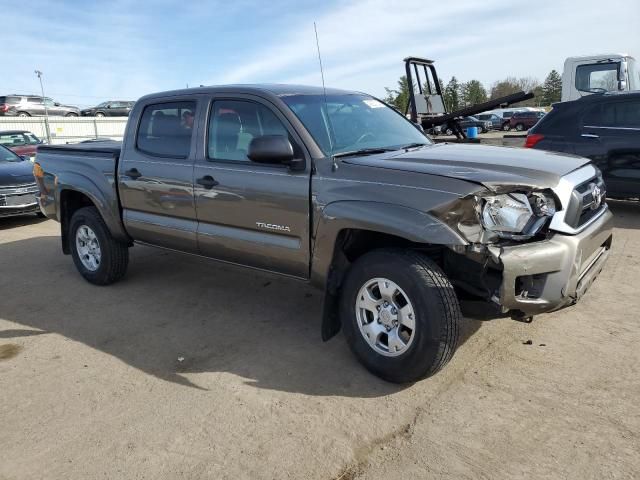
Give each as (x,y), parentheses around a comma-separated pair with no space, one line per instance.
(111,108)
(524,120)
(34,106)
(604,128)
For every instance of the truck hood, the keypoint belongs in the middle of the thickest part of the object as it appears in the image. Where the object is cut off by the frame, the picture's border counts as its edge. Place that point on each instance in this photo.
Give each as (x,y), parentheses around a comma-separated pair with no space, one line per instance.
(486,165)
(16,173)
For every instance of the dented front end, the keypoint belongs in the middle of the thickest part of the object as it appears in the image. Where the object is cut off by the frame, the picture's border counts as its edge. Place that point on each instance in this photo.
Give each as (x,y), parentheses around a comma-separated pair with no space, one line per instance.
(530,251)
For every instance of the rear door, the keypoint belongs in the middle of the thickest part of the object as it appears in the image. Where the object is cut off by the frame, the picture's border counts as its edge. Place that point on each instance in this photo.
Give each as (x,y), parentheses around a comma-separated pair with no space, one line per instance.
(611,137)
(249,213)
(35,106)
(156,175)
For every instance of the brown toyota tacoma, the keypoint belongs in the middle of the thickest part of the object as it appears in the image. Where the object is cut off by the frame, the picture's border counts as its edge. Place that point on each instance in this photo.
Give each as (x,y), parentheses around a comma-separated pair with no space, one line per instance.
(342,191)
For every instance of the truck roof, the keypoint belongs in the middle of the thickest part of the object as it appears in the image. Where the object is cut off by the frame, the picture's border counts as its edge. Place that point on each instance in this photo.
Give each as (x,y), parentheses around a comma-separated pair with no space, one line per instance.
(599,56)
(275,89)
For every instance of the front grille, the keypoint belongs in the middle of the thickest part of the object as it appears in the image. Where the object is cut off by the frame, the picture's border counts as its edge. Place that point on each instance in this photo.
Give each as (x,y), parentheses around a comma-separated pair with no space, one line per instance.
(587,202)
(18,195)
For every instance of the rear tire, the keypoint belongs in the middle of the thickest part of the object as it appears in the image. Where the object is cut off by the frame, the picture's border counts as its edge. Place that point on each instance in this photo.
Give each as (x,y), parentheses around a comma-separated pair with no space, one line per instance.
(99,115)
(423,312)
(71,114)
(99,258)
(23,114)
(520,127)
(506,127)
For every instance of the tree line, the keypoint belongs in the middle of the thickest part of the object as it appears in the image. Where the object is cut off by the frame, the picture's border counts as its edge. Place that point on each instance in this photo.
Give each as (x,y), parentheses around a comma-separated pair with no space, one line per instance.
(457,95)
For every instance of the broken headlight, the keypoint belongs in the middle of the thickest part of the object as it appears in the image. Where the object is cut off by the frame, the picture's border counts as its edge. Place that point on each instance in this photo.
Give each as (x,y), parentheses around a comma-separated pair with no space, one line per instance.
(517,216)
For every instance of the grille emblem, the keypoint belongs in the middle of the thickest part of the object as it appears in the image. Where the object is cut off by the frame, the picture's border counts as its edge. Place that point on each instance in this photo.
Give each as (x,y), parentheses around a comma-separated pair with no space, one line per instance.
(598,195)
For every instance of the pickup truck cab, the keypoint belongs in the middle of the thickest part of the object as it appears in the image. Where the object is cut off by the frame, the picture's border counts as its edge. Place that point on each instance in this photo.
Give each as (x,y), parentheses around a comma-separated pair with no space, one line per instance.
(340,190)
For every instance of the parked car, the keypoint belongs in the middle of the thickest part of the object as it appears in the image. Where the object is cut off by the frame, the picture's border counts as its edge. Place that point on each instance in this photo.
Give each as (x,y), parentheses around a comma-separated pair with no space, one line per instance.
(496,120)
(17,185)
(368,210)
(602,127)
(521,121)
(111,108)
(21,142)
(34,106)
(483,125)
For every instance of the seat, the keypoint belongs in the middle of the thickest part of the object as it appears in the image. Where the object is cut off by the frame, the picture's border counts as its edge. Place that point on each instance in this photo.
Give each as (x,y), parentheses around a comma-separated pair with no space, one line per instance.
(227,132)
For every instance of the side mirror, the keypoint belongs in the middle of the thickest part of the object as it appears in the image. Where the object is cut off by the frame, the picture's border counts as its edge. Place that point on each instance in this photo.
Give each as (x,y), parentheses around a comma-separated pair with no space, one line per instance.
(109,106)
(274,149)
(56,104)
(418,126)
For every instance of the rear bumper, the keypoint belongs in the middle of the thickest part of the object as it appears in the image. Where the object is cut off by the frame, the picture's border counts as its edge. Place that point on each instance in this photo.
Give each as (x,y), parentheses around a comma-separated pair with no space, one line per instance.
(545,276)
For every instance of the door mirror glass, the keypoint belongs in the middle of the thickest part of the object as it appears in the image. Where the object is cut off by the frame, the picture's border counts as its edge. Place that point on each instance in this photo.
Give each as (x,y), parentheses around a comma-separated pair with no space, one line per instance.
(274,149)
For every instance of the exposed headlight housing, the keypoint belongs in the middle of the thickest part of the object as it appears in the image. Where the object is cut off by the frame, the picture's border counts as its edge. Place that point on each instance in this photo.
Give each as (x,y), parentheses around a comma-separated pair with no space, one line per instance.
(516,216)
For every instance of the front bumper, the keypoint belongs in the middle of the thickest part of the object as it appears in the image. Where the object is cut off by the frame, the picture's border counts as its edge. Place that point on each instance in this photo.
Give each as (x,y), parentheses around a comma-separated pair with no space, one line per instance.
(545,276)
(19,200)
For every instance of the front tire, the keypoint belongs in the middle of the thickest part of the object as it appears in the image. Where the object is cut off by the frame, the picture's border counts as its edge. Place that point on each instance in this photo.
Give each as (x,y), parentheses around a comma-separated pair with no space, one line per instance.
(71,114)
(23,114)
(519,127)
(506,127)
(99,115)
(400,314)
(99,258)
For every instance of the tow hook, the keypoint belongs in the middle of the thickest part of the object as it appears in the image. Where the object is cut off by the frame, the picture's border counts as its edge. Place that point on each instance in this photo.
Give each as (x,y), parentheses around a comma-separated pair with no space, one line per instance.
(521,317)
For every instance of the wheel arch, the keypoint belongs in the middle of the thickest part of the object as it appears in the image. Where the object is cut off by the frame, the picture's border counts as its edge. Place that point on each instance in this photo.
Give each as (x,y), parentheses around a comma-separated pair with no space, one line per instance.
(84,193)
(347,230)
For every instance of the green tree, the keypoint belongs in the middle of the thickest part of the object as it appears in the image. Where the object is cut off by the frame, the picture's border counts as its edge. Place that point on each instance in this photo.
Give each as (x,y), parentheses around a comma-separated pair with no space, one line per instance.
(552,88)
(452,95)
(473,93)
(399,97)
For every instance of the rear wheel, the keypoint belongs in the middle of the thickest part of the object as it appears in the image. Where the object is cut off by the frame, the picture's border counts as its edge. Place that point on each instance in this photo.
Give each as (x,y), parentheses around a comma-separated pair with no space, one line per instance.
(519,127)
(99,258)
(400,314)
(506,127)
(23,114)
(71,114)
(100,114)
(449,131)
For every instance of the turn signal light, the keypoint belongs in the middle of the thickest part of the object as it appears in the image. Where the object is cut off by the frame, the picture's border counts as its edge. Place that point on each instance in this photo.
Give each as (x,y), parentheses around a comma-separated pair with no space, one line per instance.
(37,170)
(532,139)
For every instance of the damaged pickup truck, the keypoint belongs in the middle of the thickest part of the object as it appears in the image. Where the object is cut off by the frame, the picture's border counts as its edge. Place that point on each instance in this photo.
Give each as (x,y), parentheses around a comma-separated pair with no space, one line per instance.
(339,190)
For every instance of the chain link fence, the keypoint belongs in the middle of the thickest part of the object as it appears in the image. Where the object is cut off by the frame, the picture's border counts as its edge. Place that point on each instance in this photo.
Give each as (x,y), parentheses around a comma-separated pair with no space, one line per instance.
(68,129)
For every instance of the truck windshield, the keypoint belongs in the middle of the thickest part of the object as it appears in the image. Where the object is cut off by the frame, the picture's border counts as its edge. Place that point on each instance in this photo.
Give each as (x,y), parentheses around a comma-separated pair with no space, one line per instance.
(353,122)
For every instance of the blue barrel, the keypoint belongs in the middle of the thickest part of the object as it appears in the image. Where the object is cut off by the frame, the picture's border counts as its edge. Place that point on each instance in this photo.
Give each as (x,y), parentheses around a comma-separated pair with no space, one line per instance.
(472,132)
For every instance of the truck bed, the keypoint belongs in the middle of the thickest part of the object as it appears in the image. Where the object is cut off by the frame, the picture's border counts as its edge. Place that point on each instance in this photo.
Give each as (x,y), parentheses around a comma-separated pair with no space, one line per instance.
(111,147)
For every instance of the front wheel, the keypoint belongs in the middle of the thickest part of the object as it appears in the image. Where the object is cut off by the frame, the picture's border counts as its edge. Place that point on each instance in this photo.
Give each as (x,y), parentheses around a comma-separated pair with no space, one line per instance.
(400,314)
(519,127)
(99,258)
(23,114)
(506,127)
(71,114)
(99,115)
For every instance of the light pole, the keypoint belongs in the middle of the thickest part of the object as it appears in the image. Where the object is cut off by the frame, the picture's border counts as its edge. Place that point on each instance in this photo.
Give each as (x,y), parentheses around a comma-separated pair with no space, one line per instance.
(46,110)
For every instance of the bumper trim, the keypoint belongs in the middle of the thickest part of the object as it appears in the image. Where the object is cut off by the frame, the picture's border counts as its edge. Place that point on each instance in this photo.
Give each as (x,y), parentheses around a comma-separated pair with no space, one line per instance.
(560,269)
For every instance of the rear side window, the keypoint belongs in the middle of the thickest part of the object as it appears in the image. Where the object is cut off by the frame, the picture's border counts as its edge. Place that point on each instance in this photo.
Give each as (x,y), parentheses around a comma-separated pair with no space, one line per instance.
(234,123)
(166,128)
(9,100)
(12,140)
(614,114)
(34,99)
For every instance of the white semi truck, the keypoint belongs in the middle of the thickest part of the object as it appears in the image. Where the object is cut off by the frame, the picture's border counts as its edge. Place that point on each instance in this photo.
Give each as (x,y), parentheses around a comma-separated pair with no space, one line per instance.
(599,74)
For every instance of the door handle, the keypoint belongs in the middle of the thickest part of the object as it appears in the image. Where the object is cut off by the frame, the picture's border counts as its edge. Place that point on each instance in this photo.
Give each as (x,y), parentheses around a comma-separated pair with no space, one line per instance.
(590,135)
(133,173)
(207,181)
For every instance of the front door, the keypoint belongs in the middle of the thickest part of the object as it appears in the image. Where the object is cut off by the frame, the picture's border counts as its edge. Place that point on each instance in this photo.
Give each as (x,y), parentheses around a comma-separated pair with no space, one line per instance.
(156,176)
(249,213)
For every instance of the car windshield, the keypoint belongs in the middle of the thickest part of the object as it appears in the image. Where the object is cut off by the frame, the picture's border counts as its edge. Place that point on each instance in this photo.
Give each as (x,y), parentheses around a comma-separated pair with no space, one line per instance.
(7,155)
(354,122)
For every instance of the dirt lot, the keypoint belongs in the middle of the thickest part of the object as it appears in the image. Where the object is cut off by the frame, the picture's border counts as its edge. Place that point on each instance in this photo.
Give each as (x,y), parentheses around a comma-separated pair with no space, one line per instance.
(189,369)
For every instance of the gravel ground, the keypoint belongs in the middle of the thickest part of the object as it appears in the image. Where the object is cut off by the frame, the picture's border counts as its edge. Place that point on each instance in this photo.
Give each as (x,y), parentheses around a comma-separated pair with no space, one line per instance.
(189,369)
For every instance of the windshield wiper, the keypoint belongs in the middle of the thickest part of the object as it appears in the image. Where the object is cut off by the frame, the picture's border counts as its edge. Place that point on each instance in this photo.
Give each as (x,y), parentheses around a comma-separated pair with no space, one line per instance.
(412,145)
(363,151)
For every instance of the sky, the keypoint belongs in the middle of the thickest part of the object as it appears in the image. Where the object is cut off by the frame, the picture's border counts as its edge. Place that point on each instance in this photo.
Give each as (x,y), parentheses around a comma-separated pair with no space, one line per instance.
(92,51)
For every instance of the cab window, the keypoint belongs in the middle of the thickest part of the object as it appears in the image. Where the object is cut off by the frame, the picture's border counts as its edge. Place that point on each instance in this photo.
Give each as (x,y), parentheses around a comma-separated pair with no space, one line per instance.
(166,129)
(234,123)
